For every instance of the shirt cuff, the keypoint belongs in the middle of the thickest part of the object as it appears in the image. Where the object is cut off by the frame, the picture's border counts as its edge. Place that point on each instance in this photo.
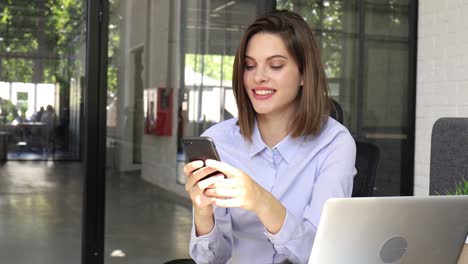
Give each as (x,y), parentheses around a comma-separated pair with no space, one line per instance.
(205,239)
(286,232)
(210,234)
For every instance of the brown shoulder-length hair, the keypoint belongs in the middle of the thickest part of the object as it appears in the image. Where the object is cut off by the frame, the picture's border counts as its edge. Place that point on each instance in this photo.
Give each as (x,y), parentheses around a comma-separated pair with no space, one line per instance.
(313,99)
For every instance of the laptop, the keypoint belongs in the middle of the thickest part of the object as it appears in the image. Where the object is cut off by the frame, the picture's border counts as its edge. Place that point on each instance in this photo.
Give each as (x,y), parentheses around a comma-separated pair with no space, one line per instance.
(410,230)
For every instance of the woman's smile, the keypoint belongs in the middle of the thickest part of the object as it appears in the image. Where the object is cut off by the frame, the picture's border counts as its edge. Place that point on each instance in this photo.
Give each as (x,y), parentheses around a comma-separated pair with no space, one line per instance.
(262,93)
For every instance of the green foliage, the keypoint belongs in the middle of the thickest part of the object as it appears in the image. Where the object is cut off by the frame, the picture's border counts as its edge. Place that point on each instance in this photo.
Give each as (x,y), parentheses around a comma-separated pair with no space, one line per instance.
(114,44)
(66,17)
(326,21)
(218,67)
(9,110)
(23,96)
(461,188)
(17,70)
(48,28)
(112,78)
(23,108)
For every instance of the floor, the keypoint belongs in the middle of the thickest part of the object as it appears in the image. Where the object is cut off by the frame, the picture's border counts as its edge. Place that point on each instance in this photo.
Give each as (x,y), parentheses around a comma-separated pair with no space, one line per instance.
(40,216)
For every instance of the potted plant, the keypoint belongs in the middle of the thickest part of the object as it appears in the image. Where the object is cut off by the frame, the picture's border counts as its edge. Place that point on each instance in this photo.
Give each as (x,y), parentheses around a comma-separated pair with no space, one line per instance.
(23,110)
(461,188)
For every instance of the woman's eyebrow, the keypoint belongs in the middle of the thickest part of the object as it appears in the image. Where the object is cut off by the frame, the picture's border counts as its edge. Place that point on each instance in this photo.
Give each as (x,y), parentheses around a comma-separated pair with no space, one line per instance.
(269,58)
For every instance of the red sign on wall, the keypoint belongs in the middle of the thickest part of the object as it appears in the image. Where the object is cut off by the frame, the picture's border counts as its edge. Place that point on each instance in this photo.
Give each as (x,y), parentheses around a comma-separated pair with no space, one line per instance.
(158,110)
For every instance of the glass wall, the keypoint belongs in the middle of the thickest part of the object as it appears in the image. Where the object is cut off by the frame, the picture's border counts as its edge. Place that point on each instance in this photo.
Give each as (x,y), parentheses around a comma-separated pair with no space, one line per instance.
(366,52)
(42,61)
(169,76)
(40,80)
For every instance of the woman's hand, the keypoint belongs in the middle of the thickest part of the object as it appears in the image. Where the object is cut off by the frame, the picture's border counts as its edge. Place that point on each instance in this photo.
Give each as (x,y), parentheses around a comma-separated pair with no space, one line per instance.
(202,205)
(237,190)
(194,171)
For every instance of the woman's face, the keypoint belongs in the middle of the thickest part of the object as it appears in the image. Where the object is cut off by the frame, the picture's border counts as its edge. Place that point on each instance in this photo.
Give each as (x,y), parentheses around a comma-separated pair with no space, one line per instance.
(271,76)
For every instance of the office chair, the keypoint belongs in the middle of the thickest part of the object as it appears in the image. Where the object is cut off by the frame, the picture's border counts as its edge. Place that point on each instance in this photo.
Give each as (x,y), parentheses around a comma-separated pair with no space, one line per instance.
(367,159)
(180,261)
(336,112)
(449,155)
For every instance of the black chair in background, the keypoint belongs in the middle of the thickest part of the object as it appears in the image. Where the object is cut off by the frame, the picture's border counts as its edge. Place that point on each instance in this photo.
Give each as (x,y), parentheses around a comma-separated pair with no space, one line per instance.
(449,155)
(180,261)
(367,159)
(336,112)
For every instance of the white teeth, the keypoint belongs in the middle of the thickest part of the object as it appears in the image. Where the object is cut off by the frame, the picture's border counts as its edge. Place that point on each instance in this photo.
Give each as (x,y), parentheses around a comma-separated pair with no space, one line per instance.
(263,92)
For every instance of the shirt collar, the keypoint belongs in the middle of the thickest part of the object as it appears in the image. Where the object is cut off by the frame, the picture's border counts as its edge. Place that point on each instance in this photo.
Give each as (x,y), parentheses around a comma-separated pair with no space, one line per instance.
(257,142)
(286,147)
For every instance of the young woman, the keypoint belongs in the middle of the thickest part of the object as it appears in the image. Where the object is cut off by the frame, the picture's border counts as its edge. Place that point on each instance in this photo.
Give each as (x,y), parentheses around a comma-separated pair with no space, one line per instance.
(281,159)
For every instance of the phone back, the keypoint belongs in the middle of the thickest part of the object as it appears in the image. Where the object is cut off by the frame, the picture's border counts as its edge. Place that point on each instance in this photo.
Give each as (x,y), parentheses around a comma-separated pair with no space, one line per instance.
(200,148)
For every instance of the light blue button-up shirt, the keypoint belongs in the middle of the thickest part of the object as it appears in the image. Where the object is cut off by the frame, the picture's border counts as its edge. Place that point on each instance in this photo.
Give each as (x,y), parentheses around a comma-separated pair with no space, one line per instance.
(302,173)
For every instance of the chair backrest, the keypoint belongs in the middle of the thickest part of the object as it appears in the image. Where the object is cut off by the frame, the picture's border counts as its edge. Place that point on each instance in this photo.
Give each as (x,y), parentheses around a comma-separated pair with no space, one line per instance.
(367,159)
(336,112)
(180,261)
(449,154)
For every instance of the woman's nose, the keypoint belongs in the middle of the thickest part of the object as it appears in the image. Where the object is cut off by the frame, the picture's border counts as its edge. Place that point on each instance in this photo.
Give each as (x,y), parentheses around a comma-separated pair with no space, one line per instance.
(260,75)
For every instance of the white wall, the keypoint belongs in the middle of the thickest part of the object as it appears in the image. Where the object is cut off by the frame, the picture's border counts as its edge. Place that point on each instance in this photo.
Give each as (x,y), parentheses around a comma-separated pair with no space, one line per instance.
(442,75)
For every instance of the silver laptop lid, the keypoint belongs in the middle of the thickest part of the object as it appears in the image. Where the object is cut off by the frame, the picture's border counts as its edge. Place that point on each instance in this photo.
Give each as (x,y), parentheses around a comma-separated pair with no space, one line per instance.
(391,230)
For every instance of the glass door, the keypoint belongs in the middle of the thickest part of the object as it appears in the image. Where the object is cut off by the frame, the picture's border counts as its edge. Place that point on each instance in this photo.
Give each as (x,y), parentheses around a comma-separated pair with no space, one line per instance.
(42,78)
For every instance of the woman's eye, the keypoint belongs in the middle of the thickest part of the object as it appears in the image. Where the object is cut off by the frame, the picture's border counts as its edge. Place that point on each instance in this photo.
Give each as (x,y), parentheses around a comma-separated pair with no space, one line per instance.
(249,67)
(276,67)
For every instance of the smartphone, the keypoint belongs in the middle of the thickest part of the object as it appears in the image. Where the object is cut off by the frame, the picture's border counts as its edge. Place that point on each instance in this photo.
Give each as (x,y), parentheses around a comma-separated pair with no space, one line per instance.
(200,148)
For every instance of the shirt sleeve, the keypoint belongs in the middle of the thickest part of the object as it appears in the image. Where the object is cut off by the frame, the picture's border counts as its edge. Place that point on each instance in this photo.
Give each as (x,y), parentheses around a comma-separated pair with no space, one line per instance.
(334,179)
(215,247)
